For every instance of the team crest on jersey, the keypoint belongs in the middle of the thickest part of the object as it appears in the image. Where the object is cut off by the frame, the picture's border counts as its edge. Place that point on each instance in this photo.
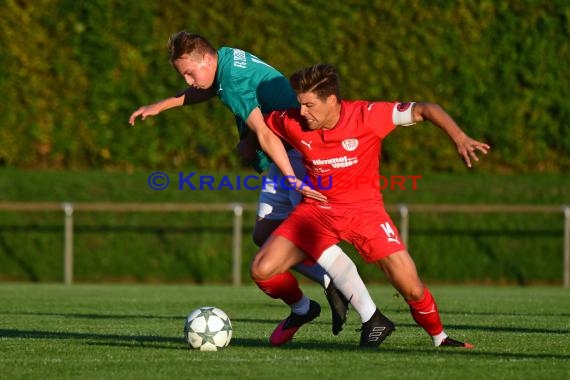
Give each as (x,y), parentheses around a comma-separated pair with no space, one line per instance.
(350,144)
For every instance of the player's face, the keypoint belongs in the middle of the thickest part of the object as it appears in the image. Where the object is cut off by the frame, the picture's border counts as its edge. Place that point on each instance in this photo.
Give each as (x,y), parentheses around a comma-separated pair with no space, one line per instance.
(198,70)
(319,114)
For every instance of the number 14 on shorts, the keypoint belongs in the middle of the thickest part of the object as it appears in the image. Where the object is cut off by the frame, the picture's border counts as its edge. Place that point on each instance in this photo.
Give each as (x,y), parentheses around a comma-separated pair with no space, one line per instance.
(390,234)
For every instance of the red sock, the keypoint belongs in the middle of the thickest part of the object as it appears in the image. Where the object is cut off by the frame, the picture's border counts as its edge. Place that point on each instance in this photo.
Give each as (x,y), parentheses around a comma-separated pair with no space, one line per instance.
(282,286)
(425,313)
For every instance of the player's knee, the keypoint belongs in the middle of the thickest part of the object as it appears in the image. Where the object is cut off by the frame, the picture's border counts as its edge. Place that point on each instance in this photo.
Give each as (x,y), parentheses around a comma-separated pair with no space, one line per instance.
(261,268)
(414,293)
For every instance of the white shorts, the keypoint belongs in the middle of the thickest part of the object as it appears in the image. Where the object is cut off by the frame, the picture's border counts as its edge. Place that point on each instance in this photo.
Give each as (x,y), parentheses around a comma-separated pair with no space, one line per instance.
(275,200)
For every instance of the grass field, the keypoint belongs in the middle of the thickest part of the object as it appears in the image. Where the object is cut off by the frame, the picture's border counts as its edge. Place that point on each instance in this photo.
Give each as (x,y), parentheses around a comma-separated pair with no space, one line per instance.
(135,332)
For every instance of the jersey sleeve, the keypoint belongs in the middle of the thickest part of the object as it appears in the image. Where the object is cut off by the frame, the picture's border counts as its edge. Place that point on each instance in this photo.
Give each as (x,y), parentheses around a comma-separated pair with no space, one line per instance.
(386,116)
(285,125)
(276,122)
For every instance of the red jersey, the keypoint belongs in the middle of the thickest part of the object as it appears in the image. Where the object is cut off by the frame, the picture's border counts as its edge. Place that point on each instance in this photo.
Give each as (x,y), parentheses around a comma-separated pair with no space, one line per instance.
(343,163)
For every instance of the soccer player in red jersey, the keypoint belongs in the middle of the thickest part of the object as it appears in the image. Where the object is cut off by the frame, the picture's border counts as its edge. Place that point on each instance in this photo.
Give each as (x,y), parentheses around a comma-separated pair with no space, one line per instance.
(340,141)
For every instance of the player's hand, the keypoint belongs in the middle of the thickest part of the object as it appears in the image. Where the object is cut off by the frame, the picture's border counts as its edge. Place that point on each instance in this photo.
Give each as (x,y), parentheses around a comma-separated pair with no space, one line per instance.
(467,148)
(144,112)
(306,190)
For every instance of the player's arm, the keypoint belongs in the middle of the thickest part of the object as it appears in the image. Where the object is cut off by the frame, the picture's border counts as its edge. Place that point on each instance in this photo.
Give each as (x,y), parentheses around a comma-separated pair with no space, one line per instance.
(466,146)
(272,145)
(156,108)
(197,95)
(188,96)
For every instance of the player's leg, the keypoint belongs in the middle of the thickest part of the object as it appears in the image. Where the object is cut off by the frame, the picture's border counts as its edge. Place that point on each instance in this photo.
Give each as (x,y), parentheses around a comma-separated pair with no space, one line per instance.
(336,299)
(345,275)
(276,201)
(263,229)
(309,227)
(269,270)
(400,270)
(376,327)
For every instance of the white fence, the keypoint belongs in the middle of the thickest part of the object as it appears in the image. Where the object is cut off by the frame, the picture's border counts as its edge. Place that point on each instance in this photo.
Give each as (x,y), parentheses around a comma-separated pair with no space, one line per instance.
(237,210)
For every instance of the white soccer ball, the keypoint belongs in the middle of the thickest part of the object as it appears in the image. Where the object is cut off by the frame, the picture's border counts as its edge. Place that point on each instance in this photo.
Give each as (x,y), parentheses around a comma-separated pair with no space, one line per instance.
(208,329)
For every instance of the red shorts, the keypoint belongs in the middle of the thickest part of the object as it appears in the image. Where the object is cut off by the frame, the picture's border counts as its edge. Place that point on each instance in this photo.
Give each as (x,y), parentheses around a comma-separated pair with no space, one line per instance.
(315,227)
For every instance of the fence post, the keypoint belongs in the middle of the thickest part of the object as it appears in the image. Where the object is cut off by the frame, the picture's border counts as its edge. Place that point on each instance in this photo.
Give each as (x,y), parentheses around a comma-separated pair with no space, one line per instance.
(236,249)
(566,260)
(404,227)
(68,244)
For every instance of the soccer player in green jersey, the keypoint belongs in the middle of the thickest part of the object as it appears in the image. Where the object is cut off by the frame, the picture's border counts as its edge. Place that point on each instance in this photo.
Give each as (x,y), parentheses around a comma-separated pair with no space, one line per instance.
(249,87)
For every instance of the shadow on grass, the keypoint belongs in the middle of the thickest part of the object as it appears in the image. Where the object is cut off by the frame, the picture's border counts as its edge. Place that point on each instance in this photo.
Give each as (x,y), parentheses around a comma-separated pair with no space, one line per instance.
(496,314)
(173,343)
(496,329)
(387,350)
(96,315)
(322,321)
(38,334)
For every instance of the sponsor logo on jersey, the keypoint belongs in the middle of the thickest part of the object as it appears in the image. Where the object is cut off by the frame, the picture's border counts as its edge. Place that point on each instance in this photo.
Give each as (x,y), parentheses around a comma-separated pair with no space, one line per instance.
(337,162)
(350,144)
(321,170)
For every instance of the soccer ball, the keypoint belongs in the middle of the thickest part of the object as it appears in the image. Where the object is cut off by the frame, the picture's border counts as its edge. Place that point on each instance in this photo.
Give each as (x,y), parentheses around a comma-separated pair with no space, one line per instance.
(208,329)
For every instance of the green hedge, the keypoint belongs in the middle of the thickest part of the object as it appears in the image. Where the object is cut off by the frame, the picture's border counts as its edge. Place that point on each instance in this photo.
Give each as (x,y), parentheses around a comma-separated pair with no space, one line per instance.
(73,71)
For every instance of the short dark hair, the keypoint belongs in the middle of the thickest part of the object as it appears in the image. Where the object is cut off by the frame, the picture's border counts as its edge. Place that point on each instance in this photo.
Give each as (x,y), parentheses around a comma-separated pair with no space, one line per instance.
(183,42)
(320,79)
